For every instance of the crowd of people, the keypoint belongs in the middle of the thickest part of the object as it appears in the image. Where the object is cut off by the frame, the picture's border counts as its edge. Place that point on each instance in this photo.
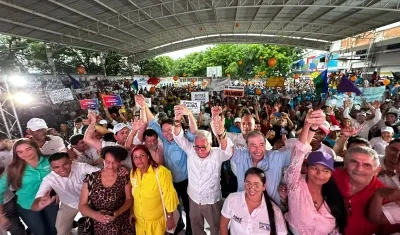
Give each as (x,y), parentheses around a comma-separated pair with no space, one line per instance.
(251,165)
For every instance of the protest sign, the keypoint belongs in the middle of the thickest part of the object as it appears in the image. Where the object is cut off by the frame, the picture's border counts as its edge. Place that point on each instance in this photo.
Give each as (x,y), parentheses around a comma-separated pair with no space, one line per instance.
(58,96)
(275,82)
(147,101)
(219,84)
(233,91)
(193,106)
(89,103)
(200,96)
(112,100)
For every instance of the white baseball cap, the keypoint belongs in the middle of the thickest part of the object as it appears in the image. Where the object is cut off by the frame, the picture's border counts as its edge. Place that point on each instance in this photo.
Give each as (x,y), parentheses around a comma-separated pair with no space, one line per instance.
(335,128)
(119,127)
(362,114)
(325,127)
(103,122)
(238,119)
(35,124)
(387,129)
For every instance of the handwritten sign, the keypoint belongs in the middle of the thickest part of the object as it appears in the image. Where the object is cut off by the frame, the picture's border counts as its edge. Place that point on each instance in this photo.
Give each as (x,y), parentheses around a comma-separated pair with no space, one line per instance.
(147,101)
(61,95)
(193,106)
(112,100)
(203,97)
(275,82)
(233,91)
(89,103)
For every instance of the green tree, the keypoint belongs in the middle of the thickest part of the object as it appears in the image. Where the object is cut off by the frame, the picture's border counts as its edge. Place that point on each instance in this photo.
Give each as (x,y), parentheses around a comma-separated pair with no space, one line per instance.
(157,67)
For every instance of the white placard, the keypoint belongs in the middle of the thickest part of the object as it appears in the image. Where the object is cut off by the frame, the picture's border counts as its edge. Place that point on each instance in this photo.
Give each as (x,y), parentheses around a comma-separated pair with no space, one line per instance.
(214,71)
(203,97)
(219,84)
(58,96)
(193,106)
(147,101)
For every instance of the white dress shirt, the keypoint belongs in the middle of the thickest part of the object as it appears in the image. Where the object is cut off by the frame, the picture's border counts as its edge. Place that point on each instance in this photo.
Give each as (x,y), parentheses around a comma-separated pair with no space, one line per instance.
(55,144)
(257,223)
(89,156)
(204,174)
(78,131)
(366,125)
(67,188)
(379,145)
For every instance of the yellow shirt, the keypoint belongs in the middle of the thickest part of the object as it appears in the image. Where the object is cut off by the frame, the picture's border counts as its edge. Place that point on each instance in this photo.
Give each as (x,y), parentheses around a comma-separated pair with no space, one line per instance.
(147,204)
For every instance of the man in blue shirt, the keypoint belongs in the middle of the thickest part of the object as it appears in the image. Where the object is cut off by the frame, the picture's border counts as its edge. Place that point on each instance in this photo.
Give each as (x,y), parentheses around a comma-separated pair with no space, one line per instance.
(175,158)
(235,128)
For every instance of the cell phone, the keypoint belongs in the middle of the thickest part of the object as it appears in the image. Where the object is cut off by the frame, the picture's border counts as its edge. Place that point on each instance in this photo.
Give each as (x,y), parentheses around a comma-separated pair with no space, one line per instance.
(53,193)
(283,131)
(278,114)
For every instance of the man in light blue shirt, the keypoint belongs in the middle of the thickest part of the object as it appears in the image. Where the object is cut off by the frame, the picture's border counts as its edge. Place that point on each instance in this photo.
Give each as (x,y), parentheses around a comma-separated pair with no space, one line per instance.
(271,162)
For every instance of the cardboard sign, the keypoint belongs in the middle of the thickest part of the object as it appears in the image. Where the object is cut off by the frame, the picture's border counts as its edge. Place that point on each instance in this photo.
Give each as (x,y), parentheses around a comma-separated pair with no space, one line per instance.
(148,101)
(203,97)
(233,91)
(275,82)
(112,100)
(219,84)
(89,103)
(61,95)
(193,106)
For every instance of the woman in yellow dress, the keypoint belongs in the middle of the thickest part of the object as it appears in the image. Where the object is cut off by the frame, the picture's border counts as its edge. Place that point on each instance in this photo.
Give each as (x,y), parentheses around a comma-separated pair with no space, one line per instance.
(148,210)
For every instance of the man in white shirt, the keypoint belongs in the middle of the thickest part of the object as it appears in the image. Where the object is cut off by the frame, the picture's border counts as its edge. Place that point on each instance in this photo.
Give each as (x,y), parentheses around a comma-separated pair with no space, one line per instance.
(203,164)
(79,127)
(48,144)
(66,180)
(81,152)
(379,143)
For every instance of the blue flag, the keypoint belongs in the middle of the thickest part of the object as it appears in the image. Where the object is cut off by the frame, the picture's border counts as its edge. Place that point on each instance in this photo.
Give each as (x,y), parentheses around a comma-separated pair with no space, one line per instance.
(74,82)
(321,82)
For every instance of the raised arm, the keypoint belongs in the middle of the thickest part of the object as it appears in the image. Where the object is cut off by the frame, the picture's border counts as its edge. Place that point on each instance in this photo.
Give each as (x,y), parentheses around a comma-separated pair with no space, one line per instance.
(137,124)
(89,137)
(141,102)
(184,111)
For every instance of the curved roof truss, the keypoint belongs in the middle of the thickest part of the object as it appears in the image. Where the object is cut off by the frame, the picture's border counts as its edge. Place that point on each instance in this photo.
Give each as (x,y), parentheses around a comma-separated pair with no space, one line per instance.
(142,27)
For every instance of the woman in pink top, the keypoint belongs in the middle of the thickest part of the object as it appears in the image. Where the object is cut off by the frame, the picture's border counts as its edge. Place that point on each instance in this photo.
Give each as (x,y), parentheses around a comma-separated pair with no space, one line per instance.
(316,206)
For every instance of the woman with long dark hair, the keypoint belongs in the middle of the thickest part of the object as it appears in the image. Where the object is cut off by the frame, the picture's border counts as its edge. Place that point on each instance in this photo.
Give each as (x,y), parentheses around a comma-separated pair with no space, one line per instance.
(252,211)
(316,206)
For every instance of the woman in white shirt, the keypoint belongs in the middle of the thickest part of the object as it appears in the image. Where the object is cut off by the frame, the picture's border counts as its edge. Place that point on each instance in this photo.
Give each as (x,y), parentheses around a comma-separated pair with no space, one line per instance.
(379,143)
(252,212)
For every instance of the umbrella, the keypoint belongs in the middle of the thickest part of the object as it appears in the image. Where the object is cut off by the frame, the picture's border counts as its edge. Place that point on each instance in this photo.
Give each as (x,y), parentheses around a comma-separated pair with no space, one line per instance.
(153,81)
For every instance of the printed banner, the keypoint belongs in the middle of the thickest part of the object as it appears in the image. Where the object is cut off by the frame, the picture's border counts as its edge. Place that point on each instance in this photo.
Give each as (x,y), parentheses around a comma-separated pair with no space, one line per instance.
(233,91)
(193,106)
(275,82)
(219,84)
(370,94)
(61,95)
(89,103)
(112,100)
(203,97)
(148,101)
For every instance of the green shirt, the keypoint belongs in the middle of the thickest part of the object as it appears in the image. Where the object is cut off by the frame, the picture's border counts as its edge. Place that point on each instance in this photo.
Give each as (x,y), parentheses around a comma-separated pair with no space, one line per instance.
(31,180)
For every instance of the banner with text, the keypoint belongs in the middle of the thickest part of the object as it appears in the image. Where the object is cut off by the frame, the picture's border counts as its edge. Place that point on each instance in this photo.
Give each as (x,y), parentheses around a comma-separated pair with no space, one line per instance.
(275,82)
(370,94)
(112,100)
(233,91)
(61,95)
(219,84)
(89,103)
(193,106)
(203,97)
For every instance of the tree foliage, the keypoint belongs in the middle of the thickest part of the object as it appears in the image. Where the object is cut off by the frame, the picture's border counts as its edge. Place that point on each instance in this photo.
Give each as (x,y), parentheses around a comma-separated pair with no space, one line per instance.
(21,55)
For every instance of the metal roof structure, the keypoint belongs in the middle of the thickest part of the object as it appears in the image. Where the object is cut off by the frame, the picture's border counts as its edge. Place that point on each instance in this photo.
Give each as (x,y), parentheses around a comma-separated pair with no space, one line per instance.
(145,28)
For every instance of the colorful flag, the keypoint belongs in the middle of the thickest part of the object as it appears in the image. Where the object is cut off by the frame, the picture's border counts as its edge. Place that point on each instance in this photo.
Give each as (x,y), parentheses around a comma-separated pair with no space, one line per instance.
(74,82)
(135,86)
(346,85)
(321,82)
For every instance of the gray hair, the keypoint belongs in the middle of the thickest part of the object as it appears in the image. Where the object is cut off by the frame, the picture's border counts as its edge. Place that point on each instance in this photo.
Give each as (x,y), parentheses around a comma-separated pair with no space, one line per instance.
(363,150)
(204,135)
(253,134)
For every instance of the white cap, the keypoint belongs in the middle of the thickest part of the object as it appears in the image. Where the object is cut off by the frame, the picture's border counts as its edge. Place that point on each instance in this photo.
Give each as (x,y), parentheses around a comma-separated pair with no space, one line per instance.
(309,106)
(325,127)
(357,107)
(362,114)
(368,112)
(238,119)
(103,122)
(335,128)
(119,127)
(387,129)
(35,124)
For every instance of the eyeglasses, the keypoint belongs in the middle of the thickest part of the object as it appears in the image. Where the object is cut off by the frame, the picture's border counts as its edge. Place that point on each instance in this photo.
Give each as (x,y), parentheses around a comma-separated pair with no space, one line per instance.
(135,158)
(201,148)
(256,187)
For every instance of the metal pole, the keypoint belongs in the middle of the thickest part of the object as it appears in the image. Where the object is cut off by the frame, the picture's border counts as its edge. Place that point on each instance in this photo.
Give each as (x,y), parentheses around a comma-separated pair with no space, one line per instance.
(13,109)
(5,120)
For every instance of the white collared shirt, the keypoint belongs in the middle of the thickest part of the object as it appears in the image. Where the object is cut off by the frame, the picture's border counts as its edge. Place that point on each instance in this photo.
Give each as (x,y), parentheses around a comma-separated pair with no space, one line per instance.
(54,145)
(89,156)
(204,174)
(67,188)
(257,223)
(378,144)
(78,131)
